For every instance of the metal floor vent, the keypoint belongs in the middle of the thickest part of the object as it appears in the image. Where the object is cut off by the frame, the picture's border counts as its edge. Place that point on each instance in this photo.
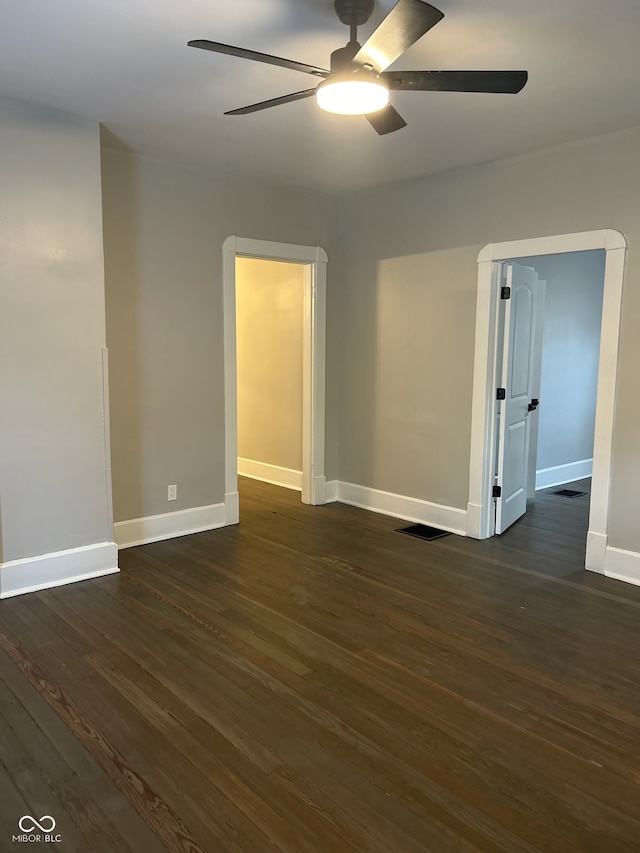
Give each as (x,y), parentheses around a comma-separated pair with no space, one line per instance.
(423,531)
(569,493)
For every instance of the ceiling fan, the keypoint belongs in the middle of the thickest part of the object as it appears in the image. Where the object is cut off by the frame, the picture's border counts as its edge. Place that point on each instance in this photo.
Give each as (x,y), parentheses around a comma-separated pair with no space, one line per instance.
(358,82)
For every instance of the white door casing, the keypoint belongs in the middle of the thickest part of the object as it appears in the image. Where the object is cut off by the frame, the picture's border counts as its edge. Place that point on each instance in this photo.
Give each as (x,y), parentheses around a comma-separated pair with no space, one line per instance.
(313,359)
(517,380)
(480,515)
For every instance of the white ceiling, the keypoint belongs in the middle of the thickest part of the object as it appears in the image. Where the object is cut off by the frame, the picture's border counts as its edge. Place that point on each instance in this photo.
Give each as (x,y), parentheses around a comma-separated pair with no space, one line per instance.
(126,64)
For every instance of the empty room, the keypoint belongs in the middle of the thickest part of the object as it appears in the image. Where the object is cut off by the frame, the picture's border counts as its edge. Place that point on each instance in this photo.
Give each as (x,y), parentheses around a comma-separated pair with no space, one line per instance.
(319,445)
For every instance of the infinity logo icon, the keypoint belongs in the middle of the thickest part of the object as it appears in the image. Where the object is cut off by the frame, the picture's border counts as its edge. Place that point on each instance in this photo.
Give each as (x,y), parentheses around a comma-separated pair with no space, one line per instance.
(46,824)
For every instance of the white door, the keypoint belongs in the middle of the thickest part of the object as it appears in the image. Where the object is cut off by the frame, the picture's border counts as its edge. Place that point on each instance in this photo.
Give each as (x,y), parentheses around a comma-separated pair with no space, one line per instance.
(516,385)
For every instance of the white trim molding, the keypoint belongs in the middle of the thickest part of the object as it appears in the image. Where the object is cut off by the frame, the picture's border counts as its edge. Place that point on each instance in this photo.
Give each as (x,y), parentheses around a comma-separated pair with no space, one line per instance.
(403,507)
(480,515)
(623,565)
(596,552)
(314,356)
(581,241)
(169,525)
(60,567)
(250,248)
(558,475)
(273,474)
(331,491)
(232,507)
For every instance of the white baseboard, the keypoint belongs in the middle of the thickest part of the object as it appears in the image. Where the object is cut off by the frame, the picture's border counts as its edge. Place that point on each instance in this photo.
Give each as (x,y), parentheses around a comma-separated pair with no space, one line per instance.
(623,565)
(331,491)
(60,567)
(273,474)
(155,528)
(231,508)
(409,509)
(474,521)
(596,556)
(561,474)
(318,493)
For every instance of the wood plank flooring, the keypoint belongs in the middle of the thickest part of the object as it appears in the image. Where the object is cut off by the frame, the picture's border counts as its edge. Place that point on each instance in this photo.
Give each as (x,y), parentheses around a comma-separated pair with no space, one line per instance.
(313,681)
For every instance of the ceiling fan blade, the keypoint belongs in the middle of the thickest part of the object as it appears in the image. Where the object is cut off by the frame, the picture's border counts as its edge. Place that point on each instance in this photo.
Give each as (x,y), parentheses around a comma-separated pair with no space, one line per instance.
(274,102)
(508,82)
(386,120)
(408,21)
(228,49)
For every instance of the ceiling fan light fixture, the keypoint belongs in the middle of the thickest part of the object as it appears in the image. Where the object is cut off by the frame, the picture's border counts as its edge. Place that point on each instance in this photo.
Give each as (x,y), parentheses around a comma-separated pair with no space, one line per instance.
(358,82)
(352,97)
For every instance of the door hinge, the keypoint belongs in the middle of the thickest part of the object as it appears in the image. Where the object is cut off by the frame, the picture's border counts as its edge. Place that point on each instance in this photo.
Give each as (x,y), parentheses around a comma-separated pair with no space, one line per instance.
(497,491)
(505,293)
(501,394)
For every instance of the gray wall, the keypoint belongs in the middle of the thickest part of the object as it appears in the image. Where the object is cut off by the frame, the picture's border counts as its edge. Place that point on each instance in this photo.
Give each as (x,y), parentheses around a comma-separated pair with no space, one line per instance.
(409,322)
(164,227)
(269,299)
(570,355)
(53,477)
(394,243)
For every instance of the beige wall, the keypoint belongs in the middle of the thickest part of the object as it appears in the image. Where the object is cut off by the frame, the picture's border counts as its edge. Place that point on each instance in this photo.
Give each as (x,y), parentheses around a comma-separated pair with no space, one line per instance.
(164,227)
(53,474)
(411,251)
(269,299)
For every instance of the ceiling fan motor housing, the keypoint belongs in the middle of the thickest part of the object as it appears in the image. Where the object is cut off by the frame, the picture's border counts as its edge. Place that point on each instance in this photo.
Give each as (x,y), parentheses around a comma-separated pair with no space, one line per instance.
(346,9)
(341,58)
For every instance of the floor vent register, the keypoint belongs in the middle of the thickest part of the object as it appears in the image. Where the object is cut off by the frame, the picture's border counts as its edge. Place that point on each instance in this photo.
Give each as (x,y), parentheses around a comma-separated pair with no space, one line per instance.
(423,531)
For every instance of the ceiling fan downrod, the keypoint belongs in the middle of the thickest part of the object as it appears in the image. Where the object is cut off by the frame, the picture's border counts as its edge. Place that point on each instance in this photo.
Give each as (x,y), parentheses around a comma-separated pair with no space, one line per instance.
(353,13)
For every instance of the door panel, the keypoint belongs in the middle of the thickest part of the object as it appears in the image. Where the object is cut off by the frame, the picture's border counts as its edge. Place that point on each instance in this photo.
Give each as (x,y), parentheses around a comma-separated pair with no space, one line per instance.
(516,438)
(521,313)
(517,379)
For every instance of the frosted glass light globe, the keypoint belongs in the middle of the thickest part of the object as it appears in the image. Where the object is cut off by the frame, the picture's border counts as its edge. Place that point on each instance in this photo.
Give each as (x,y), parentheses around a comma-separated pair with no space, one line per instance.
(352,97)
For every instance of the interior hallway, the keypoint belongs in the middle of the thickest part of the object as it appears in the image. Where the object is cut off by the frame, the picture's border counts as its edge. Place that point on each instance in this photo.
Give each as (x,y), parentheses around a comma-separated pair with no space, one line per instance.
(313,681)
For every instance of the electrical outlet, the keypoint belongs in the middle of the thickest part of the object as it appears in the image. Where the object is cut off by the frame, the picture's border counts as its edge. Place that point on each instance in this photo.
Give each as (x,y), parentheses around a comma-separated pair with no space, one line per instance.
(172,493)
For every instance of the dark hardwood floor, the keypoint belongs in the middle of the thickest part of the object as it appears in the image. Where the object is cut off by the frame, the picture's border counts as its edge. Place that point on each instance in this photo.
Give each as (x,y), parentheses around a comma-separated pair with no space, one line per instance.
(313,681)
